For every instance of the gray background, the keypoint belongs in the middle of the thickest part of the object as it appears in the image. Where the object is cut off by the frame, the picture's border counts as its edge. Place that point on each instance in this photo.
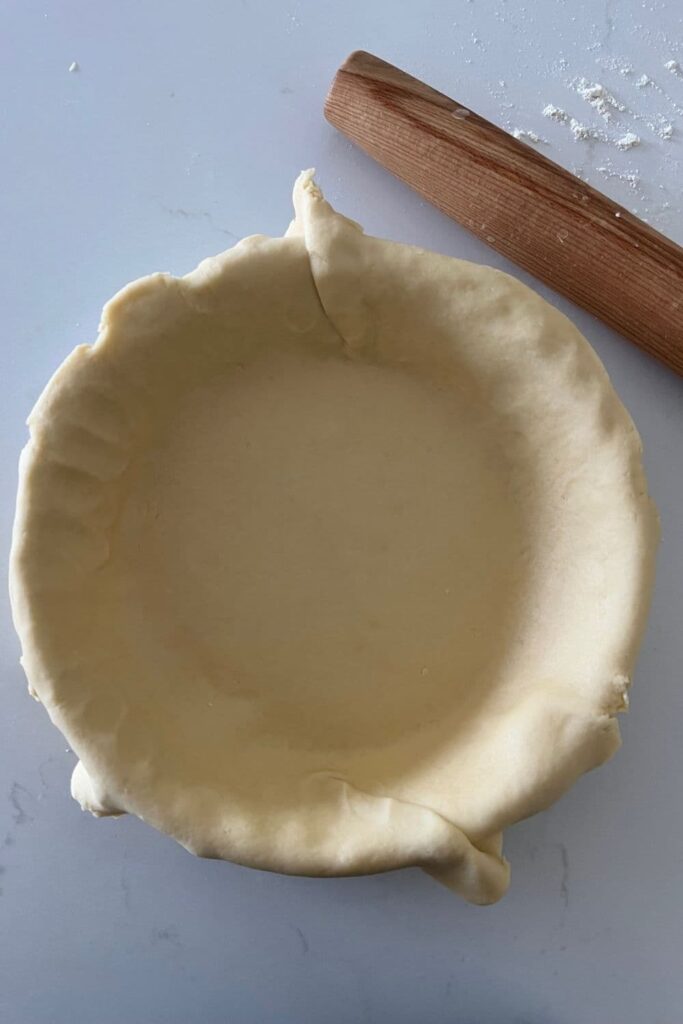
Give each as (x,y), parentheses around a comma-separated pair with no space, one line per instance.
(181,132)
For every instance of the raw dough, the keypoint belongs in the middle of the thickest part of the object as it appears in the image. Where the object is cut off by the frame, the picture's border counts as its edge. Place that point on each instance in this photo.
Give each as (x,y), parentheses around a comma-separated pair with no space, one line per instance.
(333,556)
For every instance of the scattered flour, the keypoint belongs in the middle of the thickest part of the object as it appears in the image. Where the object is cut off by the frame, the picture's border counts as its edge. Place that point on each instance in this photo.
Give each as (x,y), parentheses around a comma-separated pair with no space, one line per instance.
(628,141)
(555,113)
(583,131)
(524,135)
(629,178)
(616,64)
(598,97)
(579,130)
(607,106)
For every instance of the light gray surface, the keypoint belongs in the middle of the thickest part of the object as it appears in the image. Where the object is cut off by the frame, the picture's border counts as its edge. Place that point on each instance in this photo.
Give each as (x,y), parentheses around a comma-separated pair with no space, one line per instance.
(182,131)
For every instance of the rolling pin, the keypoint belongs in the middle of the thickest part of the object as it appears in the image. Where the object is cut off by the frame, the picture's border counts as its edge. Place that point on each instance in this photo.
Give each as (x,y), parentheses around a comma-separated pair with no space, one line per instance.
(532,211)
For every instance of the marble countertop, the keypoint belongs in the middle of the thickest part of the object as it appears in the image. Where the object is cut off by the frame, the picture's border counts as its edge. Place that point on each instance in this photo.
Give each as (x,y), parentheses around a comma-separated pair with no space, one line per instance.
(181,129)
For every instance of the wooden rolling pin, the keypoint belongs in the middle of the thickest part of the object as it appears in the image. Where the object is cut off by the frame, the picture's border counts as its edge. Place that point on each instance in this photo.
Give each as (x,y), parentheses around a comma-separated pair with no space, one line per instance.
(524,205)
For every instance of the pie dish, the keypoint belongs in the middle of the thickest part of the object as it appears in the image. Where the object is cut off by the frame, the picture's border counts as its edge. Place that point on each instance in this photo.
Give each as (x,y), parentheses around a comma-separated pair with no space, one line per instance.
(333,556)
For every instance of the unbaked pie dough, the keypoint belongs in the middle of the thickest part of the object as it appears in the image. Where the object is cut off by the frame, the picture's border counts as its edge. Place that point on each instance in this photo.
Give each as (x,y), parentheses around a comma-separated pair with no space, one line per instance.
(333,556)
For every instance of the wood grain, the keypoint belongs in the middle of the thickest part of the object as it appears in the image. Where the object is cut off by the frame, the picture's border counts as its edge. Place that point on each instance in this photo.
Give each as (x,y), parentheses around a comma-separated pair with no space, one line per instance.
(534,212)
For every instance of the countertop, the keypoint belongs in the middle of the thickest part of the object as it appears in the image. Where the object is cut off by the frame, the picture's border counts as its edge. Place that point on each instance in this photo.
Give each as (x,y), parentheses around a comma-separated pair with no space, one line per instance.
(181,129)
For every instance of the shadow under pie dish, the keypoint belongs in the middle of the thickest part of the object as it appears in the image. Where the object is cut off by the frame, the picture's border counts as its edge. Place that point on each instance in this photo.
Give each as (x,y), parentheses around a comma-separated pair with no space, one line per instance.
(333,556)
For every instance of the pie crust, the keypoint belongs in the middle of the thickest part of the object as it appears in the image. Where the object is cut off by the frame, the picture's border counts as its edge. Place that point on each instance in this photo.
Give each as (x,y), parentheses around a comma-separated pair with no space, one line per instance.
(333,556)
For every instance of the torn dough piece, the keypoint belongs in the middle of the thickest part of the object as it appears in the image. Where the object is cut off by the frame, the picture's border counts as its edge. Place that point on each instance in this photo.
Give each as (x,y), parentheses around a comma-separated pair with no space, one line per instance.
(333,556)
